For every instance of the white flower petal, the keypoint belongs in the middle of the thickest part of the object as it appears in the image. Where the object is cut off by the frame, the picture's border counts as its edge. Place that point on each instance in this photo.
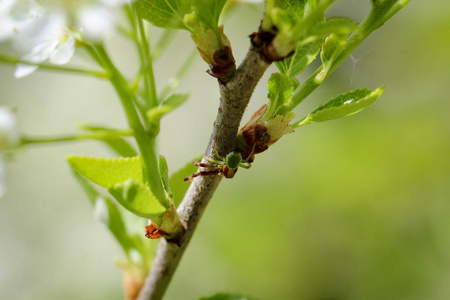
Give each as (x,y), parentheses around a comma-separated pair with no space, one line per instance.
(115,3)
(136,257)
(7,23)
(63,53)
(101,211)
(22,15)
(24,70)
(42,51)
(96,22)
(5,6)
(48,27)
(9,129)
(39,53)
(6,29)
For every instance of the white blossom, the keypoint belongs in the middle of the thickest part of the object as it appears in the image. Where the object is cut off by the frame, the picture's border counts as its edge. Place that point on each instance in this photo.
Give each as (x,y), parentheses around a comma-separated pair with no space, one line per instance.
(45,30)
(52,41)
(9,139)
(101,211)
(9,129)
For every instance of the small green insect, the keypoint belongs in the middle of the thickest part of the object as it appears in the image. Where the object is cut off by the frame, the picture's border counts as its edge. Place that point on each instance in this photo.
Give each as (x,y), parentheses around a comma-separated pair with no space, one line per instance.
(227,166)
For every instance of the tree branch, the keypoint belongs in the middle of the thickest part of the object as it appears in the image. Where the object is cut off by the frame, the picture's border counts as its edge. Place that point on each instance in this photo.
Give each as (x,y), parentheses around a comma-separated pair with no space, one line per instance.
(234,98)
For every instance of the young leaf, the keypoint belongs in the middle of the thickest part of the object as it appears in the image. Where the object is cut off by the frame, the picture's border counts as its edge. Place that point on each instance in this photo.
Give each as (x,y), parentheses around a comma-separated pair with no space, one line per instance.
(107,172)
(334,25)
(177,185)
(303,56)
(167,14)
(208,11)
(310,5)
(111,215)
(294,8)
(292,32)
(164,175)
(280,89)
(333,46)
(115,222)
(137,198)
(117,144)
(172,102)
(343,105)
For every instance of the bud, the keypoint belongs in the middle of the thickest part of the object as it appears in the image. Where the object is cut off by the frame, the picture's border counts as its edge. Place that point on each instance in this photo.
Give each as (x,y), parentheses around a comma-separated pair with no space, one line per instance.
(279,126)
(256,137)
(170,227)
(133,277)
(213,46)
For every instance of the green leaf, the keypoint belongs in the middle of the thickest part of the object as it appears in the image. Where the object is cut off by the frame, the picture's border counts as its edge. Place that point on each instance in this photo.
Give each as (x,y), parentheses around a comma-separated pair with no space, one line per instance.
(167,14)
(172,102)
(331,49)
(334,25)
(310,5)
(118,144)
(303,56)
(293,31)
(342,106)
(208,11)
(177,185)
(137,198)
(280,89)
(225,296)
(113,219)
(107,172)
(107,212)
(164,175)
(282,20)
(294,8)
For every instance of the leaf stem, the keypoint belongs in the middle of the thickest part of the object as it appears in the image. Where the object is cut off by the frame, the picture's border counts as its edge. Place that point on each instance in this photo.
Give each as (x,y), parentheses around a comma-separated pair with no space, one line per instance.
(163,41)
(100,135)
(146,61)
(144,139)
(14,60)
(397,7)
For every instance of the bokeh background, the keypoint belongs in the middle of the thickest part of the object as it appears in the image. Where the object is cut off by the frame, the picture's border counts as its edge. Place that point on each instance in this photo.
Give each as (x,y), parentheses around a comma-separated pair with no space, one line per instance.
(351,209)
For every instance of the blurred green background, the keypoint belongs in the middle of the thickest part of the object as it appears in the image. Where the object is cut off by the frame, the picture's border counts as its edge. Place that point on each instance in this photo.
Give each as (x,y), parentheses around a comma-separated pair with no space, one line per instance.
(356,208)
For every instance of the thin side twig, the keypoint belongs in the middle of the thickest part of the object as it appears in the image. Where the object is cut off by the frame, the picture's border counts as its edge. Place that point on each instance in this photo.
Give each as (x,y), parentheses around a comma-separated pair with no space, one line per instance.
(234,98)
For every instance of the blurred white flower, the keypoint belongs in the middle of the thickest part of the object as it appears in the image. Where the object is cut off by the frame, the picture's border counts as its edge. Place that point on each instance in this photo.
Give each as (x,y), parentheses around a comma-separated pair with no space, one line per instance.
(52,41)
(17,15)
(2,177)
(101,211)
(9,139)
(48,29)
(93,18)
(9,129)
